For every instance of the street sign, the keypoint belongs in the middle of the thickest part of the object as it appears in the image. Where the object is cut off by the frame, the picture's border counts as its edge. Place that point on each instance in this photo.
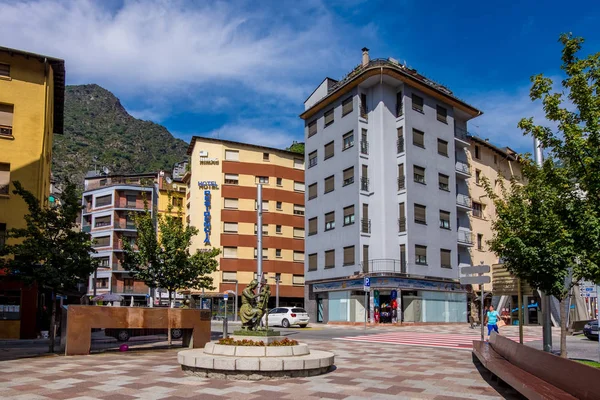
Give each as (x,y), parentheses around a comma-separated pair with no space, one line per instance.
(225,297)
(588,292)
(475,280)
(367,284)
(477,269)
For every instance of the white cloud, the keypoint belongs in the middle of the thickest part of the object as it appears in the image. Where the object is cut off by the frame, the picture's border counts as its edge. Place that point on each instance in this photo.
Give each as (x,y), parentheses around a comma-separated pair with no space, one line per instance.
(246,133)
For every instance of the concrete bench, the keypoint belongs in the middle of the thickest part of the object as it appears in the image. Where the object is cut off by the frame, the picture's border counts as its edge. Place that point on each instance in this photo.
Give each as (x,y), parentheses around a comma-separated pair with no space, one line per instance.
(537,374)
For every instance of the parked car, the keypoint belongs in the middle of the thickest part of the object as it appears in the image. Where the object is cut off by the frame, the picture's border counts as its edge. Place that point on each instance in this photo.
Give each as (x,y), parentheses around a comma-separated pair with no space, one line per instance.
(123,335)
(287,316)
(590,330)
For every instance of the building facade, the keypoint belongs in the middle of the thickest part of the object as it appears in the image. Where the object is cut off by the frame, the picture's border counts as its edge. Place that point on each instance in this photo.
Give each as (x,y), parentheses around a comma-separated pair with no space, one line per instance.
(221,203)
(387,197)
(31,111)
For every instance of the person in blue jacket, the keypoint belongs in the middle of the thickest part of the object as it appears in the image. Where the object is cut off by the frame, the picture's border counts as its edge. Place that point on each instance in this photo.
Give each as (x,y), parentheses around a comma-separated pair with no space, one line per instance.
(491,319)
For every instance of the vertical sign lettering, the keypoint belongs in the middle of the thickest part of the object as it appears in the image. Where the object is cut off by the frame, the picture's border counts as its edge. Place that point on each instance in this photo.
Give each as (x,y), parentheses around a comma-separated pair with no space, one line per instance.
(207,217)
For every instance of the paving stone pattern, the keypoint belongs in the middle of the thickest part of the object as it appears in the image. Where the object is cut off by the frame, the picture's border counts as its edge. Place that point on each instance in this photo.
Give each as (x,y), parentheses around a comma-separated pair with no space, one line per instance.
(363,371)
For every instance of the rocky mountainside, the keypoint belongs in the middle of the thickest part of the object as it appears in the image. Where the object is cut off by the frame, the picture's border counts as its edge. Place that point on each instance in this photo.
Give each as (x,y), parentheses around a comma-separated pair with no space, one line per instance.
(99,131)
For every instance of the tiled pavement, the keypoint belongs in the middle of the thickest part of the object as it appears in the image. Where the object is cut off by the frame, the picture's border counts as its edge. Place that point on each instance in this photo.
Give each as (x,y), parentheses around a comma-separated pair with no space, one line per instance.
(363,371)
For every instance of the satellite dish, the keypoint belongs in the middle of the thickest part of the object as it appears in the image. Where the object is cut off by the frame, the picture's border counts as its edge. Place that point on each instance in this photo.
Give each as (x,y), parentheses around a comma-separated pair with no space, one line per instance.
(105,170)
(169,180)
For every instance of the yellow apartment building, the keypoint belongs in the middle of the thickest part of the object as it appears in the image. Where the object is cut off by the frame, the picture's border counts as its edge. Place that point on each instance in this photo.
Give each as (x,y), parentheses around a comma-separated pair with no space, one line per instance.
(221,203)
(171,191)
(32,90)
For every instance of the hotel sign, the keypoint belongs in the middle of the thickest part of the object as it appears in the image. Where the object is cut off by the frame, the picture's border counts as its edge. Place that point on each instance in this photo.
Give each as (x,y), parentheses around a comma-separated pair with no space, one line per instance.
(205,160)
(208,185)
(207,226)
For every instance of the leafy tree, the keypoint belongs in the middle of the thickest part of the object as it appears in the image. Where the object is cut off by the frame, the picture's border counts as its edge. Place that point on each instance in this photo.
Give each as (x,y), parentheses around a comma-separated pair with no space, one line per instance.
(296,148)
(50,251)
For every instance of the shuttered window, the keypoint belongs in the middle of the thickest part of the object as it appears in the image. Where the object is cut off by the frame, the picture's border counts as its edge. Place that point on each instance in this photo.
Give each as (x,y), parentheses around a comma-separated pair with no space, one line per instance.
(298,232)
(102,241)
(312,262)
(297,280)
(442,147)
(442,114)
(312,159)
(229,252)
(103,201)
(329,184)
(349,255)
(230,227)
(312,191)
(265,205)
(417,103)
(229,276)
(400,140)
(329,117)
(231,203)
(401,217)
(421,255)
(348,176)
(418,138)
(102,221)
(232,179)
(444,219)
(312,226)
(444,182)
(298,209)
(399,105)
(299,186)
(330,259)
(329,150)
(4,178)
(330,221)
(348,215)
(419,174)
(232,155)
(299,256)
(446,258)
(265,253)
(4,70)
(347,106)
(312,128)
(348,140)
(401,178)
(6,118)
(420,214)
(298,163)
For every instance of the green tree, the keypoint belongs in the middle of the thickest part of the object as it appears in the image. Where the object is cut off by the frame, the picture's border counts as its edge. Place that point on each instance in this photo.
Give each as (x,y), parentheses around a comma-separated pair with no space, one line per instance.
(50,251)
(296,148)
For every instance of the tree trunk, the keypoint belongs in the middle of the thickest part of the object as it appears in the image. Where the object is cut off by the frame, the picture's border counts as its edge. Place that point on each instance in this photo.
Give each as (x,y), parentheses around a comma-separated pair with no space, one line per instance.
(564,304)
(169,338)
(52,326)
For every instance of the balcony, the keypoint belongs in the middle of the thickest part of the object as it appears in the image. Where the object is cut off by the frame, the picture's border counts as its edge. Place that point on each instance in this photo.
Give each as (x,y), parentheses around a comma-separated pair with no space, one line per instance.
(121,225)
(463,202)
(364,184)
(402,225)
(117,266)
(400,145)
(463,170)
(401,183)
(364,147)
(461,136)
(119,289)
(389,266)
(465,238)
(365,226)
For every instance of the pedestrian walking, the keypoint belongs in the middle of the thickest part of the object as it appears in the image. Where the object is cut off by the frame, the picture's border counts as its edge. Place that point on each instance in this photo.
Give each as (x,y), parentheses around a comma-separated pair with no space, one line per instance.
(491,319)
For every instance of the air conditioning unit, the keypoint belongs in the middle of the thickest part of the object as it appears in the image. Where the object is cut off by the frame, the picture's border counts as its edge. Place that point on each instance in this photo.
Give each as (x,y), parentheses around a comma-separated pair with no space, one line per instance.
(175,187)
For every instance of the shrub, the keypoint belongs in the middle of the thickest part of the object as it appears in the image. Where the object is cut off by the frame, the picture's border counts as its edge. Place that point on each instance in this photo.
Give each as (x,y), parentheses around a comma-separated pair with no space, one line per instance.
(232,342)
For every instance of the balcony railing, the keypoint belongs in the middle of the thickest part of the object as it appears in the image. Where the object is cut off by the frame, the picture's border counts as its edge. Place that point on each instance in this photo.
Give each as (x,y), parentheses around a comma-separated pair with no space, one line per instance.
(460,133)
(384,266)
(365,226)
(402,225)
(364,147)
(86,228)
(124,225)
(465,237)
(401,183)
(463,168)
(364,183)
(400,145)
(463,200)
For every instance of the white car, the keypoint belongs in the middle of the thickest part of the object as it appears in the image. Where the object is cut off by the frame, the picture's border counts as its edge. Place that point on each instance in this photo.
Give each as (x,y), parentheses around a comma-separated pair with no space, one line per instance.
(287,316)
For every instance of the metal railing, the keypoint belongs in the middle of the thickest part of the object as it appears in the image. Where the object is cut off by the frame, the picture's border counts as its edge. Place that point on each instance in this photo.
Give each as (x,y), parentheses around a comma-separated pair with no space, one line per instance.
(401,183)
(384,266)
(402,225)
(465,237)
(461,134)
(463,168)
(400,145)
(364,183)
(364,147)
(365,226)
(463,200)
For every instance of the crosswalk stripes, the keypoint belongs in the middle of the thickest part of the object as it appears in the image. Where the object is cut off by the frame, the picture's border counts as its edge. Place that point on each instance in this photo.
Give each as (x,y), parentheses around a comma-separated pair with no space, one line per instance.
(441,340)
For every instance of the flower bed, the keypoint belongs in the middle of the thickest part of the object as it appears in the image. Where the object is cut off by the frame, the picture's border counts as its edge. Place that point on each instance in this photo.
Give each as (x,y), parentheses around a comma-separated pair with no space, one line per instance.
(246,342)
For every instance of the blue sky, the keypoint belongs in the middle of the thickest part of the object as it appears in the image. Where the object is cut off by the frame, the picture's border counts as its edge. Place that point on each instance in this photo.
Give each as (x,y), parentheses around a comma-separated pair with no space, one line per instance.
(241,70)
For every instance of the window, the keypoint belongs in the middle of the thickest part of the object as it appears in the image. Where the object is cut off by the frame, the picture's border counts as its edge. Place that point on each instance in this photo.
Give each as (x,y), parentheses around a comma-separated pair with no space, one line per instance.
(400,140)
(265,156)
(444,182)
(330,259)
(399,104)
(278,229)
(177,202)
(366,222)
(348,176)
(442,147)
(103,262)
(265,253)
(477,177)
(477,155)
(231,204)
(5,178)
(265,205)
(347,106)
(312,226)
(348,215)
(312,159)
(364,110)
(421,255)
(102,241)
(446,258)
(104,201)
(298,256)
(442,114)
(312,128)
(328,117)
(229,276)
(312,262)
(495,159)
(5,70)
(477,210)
(401,178)
(348,140)
(279,205)
(418,138)
(232,155)
(329,150)
(401,217)
(6,117)
(349,255)
(101,283)
(365,258)
(419,174)
(330,221)
(299,232)
(364,178)
(298,280)
(420,214)
(298,163)
(277,253)
(131,200)
(444,219)
(279,181)
(298,209)
(312,191)
(230,227)
(99,222)
(364,143)
(262,179)
(479,241)
(2,235)
(231,179)
(329,184)
(299,186)
(417,103)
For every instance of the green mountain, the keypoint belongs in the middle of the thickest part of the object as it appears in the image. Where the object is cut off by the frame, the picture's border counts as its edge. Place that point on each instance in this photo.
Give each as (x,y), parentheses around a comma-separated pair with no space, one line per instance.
(99,131)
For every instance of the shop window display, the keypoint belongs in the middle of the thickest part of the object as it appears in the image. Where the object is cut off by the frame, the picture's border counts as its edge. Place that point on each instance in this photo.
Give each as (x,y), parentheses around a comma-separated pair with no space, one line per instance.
(385,306)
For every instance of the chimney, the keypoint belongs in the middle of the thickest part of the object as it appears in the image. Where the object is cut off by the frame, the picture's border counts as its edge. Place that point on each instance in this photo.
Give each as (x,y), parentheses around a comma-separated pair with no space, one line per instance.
(365,57)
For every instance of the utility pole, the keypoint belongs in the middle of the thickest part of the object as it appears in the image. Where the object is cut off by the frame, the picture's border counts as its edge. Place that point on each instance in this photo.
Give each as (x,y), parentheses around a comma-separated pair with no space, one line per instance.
(545,299)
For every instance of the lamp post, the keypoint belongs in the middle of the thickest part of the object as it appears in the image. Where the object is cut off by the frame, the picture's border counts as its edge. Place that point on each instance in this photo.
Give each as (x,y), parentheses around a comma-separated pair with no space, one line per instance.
(259,234)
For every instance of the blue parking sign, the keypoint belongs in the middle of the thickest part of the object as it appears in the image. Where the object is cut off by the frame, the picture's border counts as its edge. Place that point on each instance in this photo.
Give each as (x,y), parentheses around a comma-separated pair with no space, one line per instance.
(367,284)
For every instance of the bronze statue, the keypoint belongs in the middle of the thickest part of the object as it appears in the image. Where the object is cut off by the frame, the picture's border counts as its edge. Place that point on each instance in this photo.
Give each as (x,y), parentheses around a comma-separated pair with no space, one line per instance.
(250,313)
